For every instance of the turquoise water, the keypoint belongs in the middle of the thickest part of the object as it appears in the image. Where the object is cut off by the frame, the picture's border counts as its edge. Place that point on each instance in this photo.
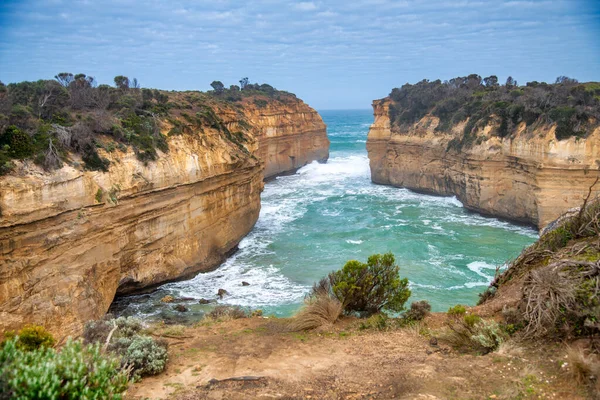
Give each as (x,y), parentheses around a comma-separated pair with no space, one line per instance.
(314,221)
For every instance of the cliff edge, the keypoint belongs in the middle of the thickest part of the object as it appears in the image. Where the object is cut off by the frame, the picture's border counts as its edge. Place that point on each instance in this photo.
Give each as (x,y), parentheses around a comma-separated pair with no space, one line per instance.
(124,215)
(501,161)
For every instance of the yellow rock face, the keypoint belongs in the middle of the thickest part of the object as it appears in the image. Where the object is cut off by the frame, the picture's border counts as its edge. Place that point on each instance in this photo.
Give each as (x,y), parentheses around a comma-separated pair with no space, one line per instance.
(531,177)
(71,240)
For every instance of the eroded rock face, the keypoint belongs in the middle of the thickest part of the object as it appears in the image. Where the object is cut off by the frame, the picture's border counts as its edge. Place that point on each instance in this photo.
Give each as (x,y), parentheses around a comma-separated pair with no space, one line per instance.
(70,240)
(530,178)
(288,139)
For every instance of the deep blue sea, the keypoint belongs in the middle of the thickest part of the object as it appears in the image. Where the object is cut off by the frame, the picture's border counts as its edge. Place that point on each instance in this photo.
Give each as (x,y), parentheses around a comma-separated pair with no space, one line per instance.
(326,214)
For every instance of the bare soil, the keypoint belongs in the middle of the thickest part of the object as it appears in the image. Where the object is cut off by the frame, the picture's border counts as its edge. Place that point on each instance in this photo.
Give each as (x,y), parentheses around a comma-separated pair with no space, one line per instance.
(345,362)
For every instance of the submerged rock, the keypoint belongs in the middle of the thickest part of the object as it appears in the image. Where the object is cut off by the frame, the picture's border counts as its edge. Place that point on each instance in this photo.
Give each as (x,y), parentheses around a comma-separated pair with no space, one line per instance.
(167,299)
(180,308)
(244,283)
(221,293)
(205,301)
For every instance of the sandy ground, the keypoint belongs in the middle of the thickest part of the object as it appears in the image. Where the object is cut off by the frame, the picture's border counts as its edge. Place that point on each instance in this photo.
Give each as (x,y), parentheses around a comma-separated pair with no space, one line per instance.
(348,363)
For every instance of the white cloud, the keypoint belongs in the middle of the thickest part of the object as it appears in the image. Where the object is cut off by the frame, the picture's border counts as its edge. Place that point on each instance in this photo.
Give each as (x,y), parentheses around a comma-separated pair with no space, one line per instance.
(327,14)
(306,6)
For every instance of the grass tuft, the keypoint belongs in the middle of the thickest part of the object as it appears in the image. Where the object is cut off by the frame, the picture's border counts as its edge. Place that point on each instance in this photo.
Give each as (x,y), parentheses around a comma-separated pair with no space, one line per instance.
(319,311)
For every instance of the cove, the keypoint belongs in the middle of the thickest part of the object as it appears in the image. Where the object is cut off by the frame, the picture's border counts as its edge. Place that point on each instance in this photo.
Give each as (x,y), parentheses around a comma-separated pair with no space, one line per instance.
(314,221)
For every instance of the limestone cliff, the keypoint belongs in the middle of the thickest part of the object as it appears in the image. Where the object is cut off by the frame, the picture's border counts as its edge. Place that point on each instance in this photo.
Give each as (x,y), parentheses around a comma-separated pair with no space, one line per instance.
(71,239)
(529,177)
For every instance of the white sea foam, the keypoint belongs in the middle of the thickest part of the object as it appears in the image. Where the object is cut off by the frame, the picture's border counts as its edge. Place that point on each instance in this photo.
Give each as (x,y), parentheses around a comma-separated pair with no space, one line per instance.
(481,267)
(349,241)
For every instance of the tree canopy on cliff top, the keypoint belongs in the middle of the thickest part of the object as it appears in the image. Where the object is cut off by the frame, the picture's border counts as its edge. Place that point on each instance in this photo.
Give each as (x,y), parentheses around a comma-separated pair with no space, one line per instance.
(574,107)
(48,120)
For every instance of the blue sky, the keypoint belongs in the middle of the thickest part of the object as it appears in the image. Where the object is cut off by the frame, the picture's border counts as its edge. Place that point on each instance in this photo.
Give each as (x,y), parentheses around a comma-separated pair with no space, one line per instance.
(332,54)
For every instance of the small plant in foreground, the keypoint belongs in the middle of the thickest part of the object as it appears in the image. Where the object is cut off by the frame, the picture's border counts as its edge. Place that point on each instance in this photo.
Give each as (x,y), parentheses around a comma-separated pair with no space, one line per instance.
(74,372)
(318,311)
(143,354)
(377,321)
(225,313)
(457,311)
(124,338)
(418,311)
(474,334)
(31,337)
(584,367)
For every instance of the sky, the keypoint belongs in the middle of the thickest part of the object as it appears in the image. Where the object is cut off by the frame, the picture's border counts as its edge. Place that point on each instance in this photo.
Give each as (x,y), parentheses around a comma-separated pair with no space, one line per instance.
(332,54)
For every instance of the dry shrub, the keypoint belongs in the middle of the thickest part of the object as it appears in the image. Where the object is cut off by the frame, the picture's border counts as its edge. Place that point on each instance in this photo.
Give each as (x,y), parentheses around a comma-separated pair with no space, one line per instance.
(226,313)
(547,292)
(418,310)
(510,349)
(584,367)
(562,298)
(573,225)
(319,311)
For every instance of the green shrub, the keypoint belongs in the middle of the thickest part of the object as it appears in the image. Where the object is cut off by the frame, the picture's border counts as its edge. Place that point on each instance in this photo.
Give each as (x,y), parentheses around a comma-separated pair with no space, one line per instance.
(93,161)
(20,144)
(32,337)
(143,354)
(457,310)
(378,321)
(472,319)
(474,334)
(369,288)
(74,372)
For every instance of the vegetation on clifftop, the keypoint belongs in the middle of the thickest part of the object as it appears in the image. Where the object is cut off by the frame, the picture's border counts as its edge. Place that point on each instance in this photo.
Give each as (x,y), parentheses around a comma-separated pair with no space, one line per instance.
(572,106)
(49,121)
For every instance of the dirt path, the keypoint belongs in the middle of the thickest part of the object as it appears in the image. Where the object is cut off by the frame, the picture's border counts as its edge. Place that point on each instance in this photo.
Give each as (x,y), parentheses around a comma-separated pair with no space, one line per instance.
(347,363)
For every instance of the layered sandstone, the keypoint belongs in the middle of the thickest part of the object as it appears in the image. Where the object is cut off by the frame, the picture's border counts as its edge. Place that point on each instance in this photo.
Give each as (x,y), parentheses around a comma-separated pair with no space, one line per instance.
(529,177)
(71,240)
(290,139)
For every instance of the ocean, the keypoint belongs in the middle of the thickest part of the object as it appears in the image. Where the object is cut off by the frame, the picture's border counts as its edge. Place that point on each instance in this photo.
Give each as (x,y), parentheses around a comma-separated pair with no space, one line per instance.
(314,221)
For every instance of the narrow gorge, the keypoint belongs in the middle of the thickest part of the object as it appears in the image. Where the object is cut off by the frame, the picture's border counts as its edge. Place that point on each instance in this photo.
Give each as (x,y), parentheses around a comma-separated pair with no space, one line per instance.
(71,239)
(508,164)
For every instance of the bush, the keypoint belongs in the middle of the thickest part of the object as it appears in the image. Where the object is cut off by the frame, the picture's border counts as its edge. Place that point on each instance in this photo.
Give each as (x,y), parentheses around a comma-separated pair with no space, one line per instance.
(457,311)
(143,354)
(32,337)
(377,321)
(74,372)
(318,311)
(223,313)
(19,143)
(98,331)
(584,367)
(473,334)
(369,288)
(418,311)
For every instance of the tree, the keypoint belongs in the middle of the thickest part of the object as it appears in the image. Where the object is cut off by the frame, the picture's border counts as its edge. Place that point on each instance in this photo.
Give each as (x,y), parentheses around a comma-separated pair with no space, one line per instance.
(566,80)
(243,83)
(473,81)
(510,82)
(122,82)
(64,78)
(234,88)
(370,288)
(135,84)
(491,81)
(218,86)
